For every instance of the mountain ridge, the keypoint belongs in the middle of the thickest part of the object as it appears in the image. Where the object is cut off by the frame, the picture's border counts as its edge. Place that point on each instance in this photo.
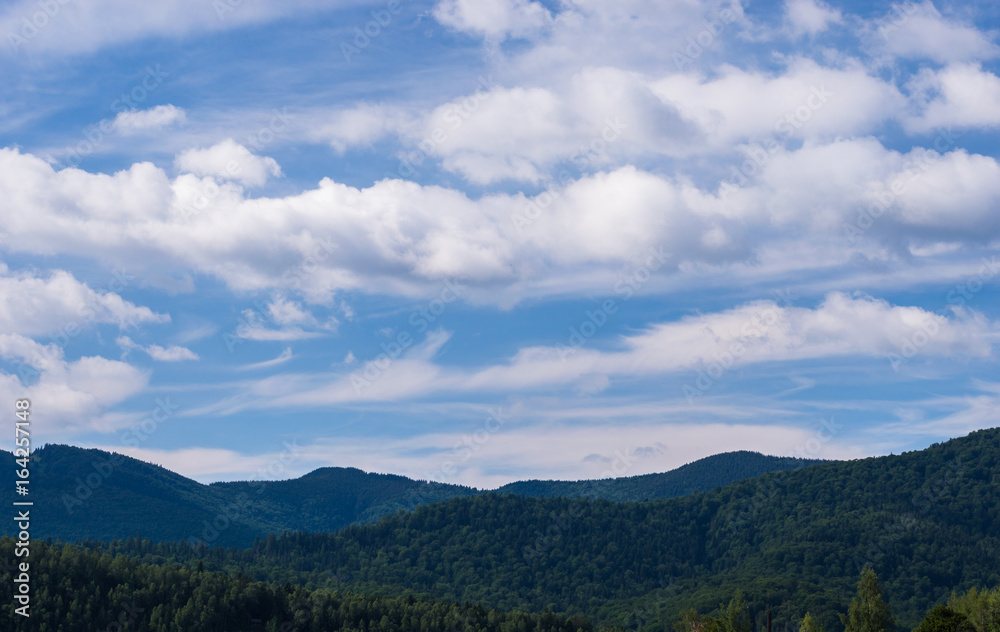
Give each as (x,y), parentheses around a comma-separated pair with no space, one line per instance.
(928,522)
(88,493)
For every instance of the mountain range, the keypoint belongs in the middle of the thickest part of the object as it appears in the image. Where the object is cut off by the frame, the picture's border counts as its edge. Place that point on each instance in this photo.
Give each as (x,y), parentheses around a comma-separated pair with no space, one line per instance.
(94,494)
(793,541)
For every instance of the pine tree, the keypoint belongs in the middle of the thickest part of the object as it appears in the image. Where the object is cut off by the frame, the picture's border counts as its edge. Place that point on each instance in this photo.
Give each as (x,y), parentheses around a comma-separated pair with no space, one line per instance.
(868,611)
(736,616)
(810,625)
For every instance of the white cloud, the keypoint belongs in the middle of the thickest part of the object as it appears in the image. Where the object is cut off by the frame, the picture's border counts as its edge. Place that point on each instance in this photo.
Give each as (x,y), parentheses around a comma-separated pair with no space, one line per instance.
(959,95)
(810,17)
(362,125)
(217,464)
(755,333)
(605,117)
(228,160)
(284,357)
(75,27)
(287,334)
(493,19)
(405,239)
(821,101)
(519,452)
(286,312)
(171,353)
(67,395)
(134,121)
(59,304)
(919,31)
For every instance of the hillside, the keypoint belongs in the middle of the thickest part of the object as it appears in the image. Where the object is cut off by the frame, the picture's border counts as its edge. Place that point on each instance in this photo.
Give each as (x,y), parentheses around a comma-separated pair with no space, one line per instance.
(99,495)
(701,475)
(927,521)
(79,591)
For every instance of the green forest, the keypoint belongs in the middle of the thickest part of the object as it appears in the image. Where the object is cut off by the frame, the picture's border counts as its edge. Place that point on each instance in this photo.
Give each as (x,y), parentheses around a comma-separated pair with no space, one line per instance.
(83,591)
(787,546)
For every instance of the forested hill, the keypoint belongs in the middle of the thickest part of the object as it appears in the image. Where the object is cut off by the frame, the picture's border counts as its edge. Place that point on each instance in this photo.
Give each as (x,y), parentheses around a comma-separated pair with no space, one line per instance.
(927,521)
(79,591)
(95,494)
(702,475)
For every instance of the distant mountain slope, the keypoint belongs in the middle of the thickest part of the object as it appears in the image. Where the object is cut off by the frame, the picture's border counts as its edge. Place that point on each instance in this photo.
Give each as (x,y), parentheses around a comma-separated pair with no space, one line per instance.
(927,521)
(92,494)
(702,475)
(330,498)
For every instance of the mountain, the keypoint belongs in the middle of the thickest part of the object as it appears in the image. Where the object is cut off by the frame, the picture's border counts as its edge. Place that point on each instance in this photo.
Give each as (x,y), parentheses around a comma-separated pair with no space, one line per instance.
(330,498)
(702,475)
(93,494)
(928,522)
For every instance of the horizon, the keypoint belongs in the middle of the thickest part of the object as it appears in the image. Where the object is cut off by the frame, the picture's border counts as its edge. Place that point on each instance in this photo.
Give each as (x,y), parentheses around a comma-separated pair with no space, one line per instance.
(486,489)
(499,240)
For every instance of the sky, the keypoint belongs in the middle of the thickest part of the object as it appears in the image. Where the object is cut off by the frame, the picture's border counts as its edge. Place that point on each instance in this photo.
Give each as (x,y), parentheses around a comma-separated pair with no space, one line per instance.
(478,241)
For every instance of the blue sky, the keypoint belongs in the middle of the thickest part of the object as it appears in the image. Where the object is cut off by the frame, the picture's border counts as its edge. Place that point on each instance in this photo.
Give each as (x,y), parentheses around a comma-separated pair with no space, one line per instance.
(480,241)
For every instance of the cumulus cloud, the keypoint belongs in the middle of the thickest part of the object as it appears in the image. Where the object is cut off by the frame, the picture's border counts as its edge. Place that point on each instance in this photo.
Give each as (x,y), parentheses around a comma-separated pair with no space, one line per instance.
(406,239)
(58,303)
(919,31)
(135,121)
(809,17)
(494,19)
(69,395)
(803,100)
(288,312)
(959,95)
(604,117)
(293,320)
(228,160)
(362,125)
